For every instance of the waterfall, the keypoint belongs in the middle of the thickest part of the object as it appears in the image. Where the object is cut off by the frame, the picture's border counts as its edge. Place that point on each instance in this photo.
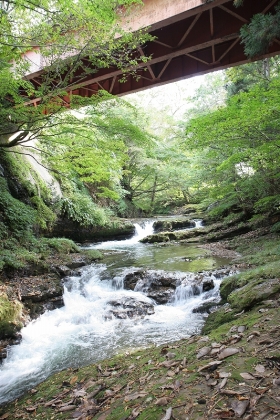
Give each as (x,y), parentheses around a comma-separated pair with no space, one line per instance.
(141,230)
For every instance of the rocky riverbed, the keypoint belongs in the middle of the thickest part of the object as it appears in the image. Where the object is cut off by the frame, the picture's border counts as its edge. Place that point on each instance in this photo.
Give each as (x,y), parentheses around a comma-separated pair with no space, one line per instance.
(232,371)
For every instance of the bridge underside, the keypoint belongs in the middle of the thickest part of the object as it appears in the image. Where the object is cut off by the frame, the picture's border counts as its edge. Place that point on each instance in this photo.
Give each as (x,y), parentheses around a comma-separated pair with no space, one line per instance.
(198,41)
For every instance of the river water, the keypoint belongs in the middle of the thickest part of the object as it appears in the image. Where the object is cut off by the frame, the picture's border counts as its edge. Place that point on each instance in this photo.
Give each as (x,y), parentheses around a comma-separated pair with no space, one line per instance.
(80,333)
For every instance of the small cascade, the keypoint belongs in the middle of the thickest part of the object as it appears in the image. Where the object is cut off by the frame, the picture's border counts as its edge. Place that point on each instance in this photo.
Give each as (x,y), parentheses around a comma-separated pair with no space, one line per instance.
(141,230)
(198,224)
(184,292)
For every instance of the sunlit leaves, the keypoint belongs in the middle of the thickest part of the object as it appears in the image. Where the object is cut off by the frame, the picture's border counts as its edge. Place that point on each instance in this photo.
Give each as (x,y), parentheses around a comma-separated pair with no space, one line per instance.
(241,145)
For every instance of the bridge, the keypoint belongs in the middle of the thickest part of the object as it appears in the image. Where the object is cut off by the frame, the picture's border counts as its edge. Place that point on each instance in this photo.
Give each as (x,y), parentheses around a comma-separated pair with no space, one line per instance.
(192,37)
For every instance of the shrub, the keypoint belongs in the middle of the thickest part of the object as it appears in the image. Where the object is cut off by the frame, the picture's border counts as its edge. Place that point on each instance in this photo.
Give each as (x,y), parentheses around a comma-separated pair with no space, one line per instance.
(80,208)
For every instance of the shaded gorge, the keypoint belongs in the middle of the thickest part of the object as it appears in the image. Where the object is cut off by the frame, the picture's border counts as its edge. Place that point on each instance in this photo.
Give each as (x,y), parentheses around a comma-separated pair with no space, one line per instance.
(140,295)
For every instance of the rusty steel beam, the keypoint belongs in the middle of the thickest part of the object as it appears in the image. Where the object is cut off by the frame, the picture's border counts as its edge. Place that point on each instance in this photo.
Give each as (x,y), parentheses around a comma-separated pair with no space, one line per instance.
(198,41)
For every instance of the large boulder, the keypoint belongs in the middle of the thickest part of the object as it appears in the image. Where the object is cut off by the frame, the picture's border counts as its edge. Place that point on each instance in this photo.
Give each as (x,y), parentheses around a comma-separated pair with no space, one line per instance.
(157,285)
(128,307)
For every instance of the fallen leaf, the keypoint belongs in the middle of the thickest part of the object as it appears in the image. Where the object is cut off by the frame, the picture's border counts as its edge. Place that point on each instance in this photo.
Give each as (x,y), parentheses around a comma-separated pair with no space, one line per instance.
(135,413)
(109,393)
(212,383)
(214,351)
(4,416)
(239,407)
(79,393)
(203,352)
(203,339)
(170,355)
(224,414)
(177,385)
(134,396)
(67,408)
(261,391)
(77,414)
(168,363)
(73,380)
(260,368)
(229,351)
(131,367)
(168,414)
(162,401)
(224,374)
(170,373)
(211,365)
(241,328)
(31,409)
(247,376)
(222,384)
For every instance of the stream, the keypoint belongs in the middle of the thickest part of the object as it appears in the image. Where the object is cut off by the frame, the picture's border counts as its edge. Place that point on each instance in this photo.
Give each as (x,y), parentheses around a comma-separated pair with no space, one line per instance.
(87,328)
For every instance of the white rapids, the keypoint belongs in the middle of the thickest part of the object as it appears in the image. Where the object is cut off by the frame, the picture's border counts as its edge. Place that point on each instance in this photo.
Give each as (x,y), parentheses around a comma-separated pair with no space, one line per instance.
(79,333)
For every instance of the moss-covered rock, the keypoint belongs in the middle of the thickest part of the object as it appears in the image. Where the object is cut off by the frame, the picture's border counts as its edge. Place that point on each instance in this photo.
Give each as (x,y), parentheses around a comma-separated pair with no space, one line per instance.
(10,316)
(163,225)
(250,277)
(253,293)
(73,230)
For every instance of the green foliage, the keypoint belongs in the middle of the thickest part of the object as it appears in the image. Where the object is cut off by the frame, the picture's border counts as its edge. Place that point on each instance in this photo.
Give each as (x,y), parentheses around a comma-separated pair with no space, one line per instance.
(268,204)
(243,78)
(61,245)
(93,254)
(239,149)
(222,209)
(260,33)
(80,208)
(18,216)
(45,216)
(275,228)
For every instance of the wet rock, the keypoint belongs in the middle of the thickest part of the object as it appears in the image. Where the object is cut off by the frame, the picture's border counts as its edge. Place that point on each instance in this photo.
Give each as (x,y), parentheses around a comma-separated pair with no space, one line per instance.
(63,270)
(77,263)
(161,296)
(54,303)
(208,285)
(131,279)
(206,307)
(163,225)
(128,307)
(157,285)
(40,288)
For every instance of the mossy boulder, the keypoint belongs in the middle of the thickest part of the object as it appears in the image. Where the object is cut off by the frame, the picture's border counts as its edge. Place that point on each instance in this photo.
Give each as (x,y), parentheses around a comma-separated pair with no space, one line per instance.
(158,237)
(10,316)
(253,293)
(73,230)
